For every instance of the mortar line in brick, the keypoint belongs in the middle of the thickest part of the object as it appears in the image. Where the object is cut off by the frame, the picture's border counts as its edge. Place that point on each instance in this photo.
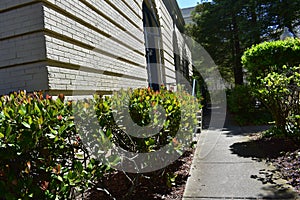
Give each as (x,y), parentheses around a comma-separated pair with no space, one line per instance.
(20,6)
(92,70)
(89,47)
(86,24)
(22,34)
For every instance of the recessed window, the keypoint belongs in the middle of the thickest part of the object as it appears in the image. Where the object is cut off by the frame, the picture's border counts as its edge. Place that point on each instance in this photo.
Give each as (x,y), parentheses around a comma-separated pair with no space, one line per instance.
(153,44)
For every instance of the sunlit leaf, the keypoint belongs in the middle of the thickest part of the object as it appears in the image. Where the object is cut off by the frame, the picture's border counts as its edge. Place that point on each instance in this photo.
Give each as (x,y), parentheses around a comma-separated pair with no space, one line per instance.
(26,124)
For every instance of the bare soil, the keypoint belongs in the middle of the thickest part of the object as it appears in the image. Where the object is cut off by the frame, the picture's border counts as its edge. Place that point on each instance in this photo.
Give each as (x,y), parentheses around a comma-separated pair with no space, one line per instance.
(147,186)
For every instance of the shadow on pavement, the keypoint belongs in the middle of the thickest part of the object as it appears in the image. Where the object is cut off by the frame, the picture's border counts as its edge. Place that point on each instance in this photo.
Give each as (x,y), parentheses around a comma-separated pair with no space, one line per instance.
(263,149)
(273,187)
(275,190)
(279,193)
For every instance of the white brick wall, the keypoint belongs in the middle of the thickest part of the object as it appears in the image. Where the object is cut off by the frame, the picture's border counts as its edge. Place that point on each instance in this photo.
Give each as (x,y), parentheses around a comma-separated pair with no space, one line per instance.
(23,49)
(68,79)
(4,4)
(167,37)
(80,10)
(20,40)
(127,8)
(63,25)
(67,45)
(22,46)
(90,41)
(68,53)
(30,77)
(21,20)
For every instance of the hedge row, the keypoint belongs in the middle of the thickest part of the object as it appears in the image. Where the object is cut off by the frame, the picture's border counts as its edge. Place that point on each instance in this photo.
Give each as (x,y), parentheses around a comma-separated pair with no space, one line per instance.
(51,148)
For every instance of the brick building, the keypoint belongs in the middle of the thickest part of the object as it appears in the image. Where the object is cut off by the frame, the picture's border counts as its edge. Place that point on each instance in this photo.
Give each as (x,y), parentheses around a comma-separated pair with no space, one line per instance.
(62,46)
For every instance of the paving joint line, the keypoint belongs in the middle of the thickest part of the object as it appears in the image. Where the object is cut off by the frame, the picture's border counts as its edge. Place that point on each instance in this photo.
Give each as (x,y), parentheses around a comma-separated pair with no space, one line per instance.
(246,162)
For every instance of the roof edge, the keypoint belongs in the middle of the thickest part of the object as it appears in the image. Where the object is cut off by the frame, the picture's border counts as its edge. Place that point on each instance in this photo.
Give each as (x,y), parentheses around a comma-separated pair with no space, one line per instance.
(175,12)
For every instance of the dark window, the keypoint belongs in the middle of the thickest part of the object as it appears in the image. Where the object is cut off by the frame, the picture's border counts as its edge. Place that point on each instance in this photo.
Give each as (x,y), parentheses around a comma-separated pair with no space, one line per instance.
(153,46)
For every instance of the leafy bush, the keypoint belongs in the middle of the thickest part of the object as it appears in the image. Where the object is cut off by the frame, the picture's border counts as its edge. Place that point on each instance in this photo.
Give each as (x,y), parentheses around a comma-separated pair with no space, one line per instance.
(145,106)
(27,141)
(280,93)
(148,120)
(49,148)
(268,57)
(274,77)
(40,149)
(245,107)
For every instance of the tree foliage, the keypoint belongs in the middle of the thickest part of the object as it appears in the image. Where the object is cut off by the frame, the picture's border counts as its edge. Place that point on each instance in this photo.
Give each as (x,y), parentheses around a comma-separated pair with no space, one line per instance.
(226,28)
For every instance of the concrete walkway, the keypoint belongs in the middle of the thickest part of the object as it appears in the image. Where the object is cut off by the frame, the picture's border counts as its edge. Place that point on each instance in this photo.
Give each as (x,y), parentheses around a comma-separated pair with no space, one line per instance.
(223,169)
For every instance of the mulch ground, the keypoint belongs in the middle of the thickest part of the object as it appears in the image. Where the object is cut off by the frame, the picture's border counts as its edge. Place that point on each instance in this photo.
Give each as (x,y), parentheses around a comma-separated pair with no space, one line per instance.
(289,167)
(149,185)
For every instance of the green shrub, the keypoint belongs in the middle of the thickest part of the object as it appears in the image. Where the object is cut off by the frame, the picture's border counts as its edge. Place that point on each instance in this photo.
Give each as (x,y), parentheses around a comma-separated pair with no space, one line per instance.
(274,78)
(245,108)
(49,148)
(280,92)
(268,57)
(167,111)
(40,151)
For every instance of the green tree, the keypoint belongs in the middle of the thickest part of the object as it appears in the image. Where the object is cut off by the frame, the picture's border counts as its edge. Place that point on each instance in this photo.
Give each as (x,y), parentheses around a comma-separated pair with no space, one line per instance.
(226,28)
(284,13)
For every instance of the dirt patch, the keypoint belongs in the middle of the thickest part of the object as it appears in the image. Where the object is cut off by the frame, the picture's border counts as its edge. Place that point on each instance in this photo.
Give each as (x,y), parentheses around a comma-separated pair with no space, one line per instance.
(147,186)
(289,167)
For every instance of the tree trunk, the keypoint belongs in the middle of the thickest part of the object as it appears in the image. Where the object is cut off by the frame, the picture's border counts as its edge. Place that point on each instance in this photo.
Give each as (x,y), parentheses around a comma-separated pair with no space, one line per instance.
(237,68)
(256,33)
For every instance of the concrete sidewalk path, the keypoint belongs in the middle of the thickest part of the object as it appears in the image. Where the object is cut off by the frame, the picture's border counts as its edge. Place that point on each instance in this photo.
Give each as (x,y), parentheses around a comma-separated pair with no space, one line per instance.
(220,172)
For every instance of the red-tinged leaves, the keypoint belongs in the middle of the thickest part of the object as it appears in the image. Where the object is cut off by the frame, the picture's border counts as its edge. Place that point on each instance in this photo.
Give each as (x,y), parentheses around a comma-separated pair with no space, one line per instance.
(59,117)
(48,96)
(57,169)
(44,147)
(44,185)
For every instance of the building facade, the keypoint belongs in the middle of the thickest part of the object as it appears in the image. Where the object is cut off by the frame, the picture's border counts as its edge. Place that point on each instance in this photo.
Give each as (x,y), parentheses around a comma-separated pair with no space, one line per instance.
(187,14)
(62,46)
